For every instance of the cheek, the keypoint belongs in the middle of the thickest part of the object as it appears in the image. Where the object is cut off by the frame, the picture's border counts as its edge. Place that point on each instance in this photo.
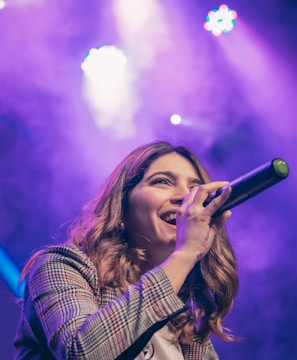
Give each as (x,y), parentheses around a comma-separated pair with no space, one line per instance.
(138,219)
(141,205)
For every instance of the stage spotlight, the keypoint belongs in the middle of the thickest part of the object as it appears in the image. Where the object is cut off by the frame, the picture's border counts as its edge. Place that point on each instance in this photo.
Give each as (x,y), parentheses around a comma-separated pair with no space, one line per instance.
(108,89)
(175,119)
(2,4)
(105,63)
(10,273)
(104,76)
(220,20)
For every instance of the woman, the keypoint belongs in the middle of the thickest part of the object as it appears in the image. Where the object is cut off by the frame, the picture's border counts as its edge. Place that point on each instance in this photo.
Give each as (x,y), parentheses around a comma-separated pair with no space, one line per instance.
(147,273)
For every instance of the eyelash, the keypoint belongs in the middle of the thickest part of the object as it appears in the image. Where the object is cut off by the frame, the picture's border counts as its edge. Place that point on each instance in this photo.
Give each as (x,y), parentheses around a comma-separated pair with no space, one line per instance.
(161,180)
(166,181)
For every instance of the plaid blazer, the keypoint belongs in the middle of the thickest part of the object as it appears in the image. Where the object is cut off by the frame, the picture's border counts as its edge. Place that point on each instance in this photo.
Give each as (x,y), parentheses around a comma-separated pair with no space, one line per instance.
(66,315)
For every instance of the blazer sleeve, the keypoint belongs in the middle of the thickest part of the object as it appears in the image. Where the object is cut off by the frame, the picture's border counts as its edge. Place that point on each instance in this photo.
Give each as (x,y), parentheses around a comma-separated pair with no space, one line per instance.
(63,289)
(197,351)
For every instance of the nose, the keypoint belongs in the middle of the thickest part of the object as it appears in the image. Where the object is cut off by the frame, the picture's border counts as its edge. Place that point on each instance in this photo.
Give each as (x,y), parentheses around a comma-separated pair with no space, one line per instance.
(178,194)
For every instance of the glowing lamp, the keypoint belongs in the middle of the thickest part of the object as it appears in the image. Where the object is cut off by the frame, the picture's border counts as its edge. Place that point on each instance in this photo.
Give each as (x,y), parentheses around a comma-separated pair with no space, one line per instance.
(220,20)
(175,119)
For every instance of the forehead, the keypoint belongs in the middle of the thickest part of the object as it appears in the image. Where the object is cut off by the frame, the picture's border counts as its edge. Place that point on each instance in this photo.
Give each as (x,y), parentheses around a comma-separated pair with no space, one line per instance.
(172,162)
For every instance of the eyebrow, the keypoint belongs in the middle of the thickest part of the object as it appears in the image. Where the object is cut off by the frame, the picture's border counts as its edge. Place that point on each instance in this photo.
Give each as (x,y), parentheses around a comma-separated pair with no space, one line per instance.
(193,180)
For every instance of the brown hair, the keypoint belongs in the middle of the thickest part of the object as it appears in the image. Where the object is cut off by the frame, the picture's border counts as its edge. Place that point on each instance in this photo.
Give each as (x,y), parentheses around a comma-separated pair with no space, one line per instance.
(210,288)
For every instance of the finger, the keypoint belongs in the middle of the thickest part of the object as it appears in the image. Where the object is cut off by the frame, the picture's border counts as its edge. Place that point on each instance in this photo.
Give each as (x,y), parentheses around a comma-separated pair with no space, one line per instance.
(194,200)
(190,195)
(206,190)
(221,220)
(218,201)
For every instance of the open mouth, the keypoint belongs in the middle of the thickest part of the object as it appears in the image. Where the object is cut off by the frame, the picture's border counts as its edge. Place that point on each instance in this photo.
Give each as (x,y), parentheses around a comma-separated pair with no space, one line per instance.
(169,218)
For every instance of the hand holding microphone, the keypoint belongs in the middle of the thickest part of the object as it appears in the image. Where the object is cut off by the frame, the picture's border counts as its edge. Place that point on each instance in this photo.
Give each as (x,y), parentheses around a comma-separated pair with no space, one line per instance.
(252,183)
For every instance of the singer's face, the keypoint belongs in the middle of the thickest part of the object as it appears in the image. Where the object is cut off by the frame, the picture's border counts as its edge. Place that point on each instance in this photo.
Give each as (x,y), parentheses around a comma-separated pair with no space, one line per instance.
(154,201)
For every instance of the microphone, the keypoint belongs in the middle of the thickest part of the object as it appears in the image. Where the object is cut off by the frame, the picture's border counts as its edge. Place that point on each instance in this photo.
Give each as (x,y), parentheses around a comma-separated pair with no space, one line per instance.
(251,184)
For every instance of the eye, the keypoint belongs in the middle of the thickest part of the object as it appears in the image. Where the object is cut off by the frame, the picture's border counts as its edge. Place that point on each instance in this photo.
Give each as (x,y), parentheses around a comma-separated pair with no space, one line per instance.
(161,180)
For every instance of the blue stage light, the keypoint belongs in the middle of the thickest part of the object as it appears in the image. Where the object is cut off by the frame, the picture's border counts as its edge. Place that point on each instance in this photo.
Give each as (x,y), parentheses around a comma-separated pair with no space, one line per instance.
(10,273)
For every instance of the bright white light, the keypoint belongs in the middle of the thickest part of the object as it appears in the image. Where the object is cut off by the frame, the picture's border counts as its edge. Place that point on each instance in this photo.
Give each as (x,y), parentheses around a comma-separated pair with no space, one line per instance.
(104,64)
(108,89)
(104,70)
(14,3)
(143,28)
(220,20)
(137,13)
(175,119)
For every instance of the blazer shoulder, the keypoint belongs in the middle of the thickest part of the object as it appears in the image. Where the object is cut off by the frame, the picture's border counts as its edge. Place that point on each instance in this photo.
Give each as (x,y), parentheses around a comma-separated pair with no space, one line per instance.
(63,257)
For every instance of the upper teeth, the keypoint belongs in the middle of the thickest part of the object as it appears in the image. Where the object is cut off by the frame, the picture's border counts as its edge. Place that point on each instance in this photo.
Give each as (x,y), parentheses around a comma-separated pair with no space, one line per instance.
(169,217)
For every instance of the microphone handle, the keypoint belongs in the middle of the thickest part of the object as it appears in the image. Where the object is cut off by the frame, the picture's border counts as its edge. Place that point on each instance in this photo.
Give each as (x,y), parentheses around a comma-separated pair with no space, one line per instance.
(251,184)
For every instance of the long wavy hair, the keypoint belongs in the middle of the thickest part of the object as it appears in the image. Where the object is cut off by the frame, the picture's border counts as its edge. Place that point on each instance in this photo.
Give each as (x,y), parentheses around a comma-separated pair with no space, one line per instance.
(100,232)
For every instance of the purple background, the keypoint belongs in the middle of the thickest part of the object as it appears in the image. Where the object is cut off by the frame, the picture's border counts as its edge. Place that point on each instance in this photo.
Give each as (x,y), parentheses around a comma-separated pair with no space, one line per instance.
(238,92)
